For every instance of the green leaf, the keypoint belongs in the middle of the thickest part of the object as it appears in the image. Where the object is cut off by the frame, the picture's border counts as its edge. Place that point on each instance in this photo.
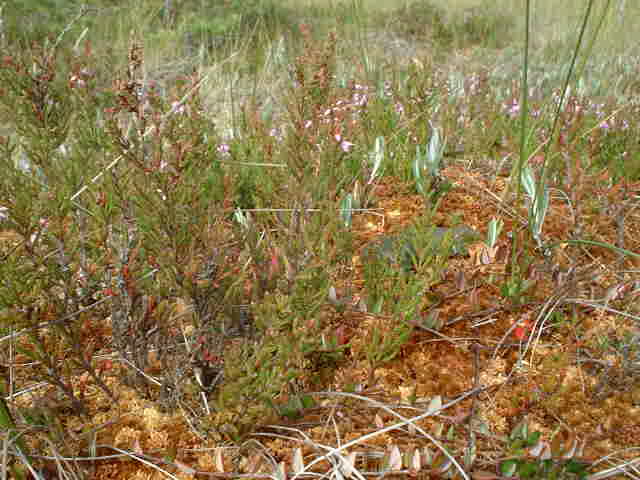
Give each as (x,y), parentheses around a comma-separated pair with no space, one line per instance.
(451,433)
(576,468)
(434,155)
(417,171)
(520,431)
(527,469)
(377,307)
(307,401)
(508,468)
(378,157)
(495,227)
(346,210)
(6,420)
(528,181)
(533,438)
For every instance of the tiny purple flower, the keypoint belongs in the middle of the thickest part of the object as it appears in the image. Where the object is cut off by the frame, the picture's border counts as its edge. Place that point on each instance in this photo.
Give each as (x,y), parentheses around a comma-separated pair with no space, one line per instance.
(276,133)
(359,100)
(346,146)
(224,149)
(177,107)
(513,108)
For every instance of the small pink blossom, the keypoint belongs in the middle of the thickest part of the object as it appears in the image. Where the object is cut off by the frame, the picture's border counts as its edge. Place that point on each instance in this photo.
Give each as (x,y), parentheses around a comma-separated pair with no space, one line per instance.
(77,82)
(177,107)
(224,149)
(346,146)
(513,108)
(276,133)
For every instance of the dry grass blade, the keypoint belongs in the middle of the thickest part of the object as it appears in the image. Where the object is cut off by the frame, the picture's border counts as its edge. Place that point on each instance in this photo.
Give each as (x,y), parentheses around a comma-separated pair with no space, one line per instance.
(5,456)
(377,420)
(184,468)
(394,458)
(416,461)
(404,422)
(348,463)
(280,471)
(340,462)
(435,405)
(623,468)
(297,461)
(143,461)
(218,459)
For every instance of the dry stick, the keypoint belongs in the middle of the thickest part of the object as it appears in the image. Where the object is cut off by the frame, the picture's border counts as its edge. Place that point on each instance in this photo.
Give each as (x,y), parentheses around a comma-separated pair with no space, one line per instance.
(597,306)
(25,460)
(617,469)
(545,311)
(308,441)
(502,204)
(538,325)
(152,462)
(395,426)
(139,457)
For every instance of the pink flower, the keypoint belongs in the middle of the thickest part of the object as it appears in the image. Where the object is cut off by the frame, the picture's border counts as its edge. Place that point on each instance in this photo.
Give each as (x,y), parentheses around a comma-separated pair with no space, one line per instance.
(223,149)
(177,107)
(346,146)
(513,108)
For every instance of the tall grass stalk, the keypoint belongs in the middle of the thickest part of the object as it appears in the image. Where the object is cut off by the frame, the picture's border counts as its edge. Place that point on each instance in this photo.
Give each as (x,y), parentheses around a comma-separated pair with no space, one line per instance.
(536,207)
(565,86)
